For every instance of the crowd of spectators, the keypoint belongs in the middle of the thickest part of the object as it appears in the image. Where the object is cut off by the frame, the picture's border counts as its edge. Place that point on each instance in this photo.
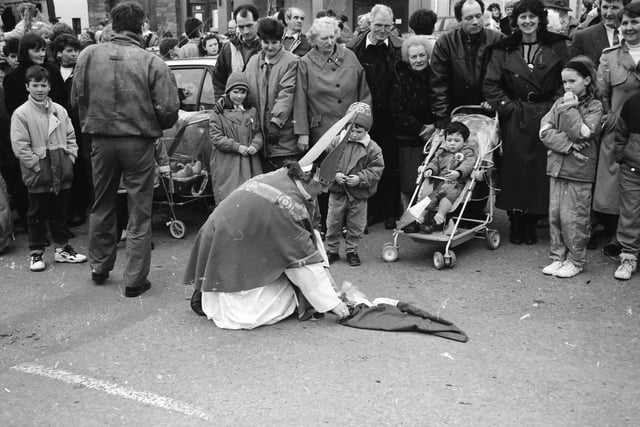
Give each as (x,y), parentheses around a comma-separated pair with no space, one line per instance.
(510,63)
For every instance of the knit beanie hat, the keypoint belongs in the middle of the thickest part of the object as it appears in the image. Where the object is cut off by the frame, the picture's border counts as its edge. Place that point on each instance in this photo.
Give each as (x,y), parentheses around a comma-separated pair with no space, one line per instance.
(363,117)
(236,80)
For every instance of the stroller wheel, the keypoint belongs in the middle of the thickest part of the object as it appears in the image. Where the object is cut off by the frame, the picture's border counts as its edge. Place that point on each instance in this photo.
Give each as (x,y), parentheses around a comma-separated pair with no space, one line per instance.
(177,229)
(450,259)
(438,260)
(389,252)
(493,239)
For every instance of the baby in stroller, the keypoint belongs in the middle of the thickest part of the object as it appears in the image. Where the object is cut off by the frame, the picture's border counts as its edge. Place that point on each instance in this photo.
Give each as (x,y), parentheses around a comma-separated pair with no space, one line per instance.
(450,167)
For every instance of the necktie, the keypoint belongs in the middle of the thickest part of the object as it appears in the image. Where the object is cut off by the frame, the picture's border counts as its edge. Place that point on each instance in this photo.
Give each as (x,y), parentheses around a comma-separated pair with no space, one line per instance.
(616,38)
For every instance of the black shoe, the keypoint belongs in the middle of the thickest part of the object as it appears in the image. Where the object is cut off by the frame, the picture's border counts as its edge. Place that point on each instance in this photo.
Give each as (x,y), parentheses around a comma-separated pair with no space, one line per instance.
(134,291)
(332,257)
(414,227)
(99,278)
(196,302)
(353,259)
(389,224)
(516,229)
(431,227)
(530,233)
(612,251)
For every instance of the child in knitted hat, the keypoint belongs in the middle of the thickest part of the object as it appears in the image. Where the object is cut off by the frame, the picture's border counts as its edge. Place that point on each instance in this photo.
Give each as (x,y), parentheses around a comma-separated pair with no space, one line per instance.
(236,139)
(357,173)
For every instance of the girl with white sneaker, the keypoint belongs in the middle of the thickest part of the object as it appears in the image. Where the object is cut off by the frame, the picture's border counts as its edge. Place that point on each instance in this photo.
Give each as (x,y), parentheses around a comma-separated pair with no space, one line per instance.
(570,131)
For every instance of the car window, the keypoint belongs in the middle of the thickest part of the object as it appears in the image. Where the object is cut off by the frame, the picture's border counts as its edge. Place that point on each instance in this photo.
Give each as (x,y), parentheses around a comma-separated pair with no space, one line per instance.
(189,81)
(208,98)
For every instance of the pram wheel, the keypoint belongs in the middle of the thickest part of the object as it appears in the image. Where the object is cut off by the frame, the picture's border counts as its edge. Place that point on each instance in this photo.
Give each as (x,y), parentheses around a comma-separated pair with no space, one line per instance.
(438,260)
(177,229)
(450,260)
(493,239)
(389,252)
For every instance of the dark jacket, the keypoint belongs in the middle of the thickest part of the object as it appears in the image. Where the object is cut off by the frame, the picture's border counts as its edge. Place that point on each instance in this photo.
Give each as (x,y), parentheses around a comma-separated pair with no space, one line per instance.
(410,106)
(590,42)
(627,148)
(522,97)
(379,73)
(122,89)
(223,68)
(456,79)
(300,46)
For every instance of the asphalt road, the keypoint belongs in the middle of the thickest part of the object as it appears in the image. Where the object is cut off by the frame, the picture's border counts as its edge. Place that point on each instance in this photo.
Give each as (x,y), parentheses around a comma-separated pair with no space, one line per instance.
(542,351)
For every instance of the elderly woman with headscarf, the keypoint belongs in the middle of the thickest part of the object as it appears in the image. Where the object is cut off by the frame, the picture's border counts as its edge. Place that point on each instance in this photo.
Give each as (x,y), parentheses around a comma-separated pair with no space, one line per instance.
(411,110)
(523,80)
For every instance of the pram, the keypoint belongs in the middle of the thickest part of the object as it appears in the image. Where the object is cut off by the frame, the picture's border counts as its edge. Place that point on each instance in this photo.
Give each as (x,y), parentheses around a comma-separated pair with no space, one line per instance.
(485,130)
(187,181)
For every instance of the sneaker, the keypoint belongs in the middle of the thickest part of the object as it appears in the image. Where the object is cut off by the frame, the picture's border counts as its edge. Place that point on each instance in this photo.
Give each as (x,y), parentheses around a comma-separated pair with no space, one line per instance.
(628,266)
(567,270)
(68,254)
(353,259)
(333,257)
(552,269)
(37,263)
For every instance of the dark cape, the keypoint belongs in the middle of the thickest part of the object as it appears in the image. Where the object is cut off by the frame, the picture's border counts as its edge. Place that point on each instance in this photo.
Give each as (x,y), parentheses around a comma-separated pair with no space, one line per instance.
(258,231)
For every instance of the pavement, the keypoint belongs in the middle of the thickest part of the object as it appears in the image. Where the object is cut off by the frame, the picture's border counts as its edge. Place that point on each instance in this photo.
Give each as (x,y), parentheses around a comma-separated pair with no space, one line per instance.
(541,352)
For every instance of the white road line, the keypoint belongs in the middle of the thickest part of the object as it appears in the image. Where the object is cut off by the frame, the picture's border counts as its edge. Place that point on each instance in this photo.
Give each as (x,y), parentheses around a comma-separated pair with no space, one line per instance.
(114,389)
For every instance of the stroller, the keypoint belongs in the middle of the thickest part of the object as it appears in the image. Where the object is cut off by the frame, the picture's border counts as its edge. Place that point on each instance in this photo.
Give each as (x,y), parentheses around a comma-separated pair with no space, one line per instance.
(187,181)
(485,130)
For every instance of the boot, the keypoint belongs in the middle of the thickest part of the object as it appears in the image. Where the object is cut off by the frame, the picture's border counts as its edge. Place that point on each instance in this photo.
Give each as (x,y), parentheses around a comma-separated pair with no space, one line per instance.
(515,230)
(530,233)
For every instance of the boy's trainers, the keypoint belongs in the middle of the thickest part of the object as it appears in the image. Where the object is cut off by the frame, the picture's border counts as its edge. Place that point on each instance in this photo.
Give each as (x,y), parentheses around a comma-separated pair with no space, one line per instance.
(552,268)
(37,263)
(567,270)
(68,254)
(628,266)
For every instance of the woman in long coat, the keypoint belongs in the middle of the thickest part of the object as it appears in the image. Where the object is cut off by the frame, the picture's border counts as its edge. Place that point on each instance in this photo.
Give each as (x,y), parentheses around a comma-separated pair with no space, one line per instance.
(522,82)
(619,79)
(411,110)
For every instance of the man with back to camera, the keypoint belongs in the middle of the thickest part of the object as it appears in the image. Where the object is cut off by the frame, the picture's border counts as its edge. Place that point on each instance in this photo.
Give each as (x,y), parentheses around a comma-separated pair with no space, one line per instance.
(294,41)
(458,66)
(192,28)
(234,55)
(126,96)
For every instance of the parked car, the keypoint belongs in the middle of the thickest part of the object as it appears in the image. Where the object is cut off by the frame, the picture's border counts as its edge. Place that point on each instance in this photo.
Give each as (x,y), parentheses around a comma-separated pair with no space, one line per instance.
(194,77)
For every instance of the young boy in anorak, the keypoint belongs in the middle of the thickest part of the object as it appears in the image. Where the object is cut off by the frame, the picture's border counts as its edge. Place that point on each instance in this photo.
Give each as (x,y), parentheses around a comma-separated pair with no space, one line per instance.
(358,172)
(43,140)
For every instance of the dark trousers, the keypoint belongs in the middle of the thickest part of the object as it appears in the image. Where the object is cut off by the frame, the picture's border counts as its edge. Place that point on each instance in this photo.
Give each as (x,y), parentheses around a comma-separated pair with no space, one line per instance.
(386,202)
(82,186)
(47,209)
(132,160)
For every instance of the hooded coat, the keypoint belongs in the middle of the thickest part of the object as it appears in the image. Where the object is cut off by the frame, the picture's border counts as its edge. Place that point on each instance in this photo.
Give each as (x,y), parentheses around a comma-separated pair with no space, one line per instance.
(522,96)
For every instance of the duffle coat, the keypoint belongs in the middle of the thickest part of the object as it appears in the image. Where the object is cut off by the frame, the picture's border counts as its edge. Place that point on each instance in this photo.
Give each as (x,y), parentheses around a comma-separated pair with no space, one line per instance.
(522,96)
(619,79)
(228,131)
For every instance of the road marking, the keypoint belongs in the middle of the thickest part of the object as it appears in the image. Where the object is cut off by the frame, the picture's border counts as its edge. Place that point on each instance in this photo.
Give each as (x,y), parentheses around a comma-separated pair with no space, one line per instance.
(114,389)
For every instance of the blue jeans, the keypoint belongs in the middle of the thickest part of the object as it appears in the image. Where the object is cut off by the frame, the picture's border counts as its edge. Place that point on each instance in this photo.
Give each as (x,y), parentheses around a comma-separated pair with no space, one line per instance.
(131,158)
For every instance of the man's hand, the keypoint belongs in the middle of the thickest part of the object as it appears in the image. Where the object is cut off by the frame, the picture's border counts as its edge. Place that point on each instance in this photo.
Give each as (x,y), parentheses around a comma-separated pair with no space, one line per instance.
(303,142)
(353,180)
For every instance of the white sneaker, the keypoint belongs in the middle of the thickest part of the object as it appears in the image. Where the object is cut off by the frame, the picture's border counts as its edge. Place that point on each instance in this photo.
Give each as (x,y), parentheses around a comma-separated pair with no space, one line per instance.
(567,270)
(36,263)
(68,254)
(628,266)
(552,268)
